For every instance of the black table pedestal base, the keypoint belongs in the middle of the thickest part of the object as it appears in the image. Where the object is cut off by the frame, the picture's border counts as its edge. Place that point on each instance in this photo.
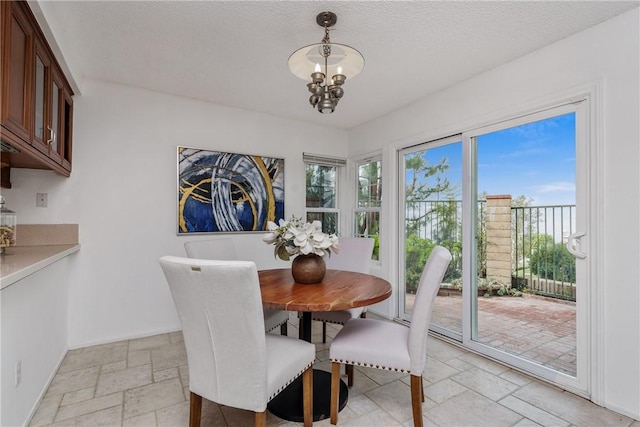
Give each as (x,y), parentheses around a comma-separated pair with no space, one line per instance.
(288,404)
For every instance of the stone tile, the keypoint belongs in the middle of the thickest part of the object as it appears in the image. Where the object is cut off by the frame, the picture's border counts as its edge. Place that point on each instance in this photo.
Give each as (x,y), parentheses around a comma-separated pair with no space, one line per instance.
(88,406)
(109,417)
(361,383)
(485,383)
(115,366)
(394,398)
(74,380)
(484,363)
(151,397)
(176,337)
(576,410)
(144,420)
(527,423)
(381,376)
(94,356)
(472,409)
(183,371)
(148,343)
(358,405)
(459,364)
(435,370)
(77,396)
(47,409)
(165,374)
(239,417)
(516,377)
(443,390)
(168,356)
(138,357)
(124,379)
(377,418)
(176,415)
(443,351)
(531,412)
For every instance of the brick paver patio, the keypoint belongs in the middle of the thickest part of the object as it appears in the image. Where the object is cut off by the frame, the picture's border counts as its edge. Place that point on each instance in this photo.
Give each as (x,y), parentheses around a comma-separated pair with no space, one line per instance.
(535,328)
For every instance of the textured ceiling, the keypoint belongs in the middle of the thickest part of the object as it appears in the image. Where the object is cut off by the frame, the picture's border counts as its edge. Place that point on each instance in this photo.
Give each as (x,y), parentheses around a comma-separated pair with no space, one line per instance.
(235,52)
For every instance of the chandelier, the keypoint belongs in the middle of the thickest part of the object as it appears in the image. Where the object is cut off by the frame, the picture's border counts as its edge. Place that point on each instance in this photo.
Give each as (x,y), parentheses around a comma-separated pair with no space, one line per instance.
(321,60)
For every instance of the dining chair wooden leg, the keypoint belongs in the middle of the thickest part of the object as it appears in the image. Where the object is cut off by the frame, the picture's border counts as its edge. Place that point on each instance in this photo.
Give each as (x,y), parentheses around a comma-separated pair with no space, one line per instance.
(335,391)
(349,370)
(261,419)
(195,410)
(416,401)
(307,397)
(324,332)
(283,329)
(422,388)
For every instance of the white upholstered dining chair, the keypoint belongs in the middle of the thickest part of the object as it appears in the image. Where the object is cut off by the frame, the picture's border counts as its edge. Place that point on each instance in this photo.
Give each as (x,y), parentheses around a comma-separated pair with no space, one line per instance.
(386,345)
(231,360)
(224,249)
(354,255)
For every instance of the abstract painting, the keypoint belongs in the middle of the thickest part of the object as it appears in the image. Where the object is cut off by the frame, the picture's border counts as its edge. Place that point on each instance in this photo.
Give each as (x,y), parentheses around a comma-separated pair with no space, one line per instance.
(227,192)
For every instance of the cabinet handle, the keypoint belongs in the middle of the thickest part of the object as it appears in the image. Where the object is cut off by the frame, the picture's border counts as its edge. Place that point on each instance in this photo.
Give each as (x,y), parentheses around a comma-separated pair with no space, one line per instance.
(53,136)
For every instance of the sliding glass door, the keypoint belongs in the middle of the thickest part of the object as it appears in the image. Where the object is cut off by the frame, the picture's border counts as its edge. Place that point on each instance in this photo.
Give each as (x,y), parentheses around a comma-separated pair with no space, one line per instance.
(508,200)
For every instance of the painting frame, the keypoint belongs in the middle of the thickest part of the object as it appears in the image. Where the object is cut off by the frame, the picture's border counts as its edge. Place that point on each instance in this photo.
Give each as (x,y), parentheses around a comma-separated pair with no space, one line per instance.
(223,192)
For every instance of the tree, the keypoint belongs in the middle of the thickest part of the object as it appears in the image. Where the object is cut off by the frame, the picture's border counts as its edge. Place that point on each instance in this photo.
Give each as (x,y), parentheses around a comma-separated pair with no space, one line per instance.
(421,189)
(553,261)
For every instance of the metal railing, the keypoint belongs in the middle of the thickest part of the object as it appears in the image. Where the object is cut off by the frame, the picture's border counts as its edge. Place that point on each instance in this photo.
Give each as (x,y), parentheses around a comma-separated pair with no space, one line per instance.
(540,262)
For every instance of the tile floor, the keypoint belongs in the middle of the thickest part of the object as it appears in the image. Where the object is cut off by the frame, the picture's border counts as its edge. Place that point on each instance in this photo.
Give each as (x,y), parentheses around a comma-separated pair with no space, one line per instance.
(144,382)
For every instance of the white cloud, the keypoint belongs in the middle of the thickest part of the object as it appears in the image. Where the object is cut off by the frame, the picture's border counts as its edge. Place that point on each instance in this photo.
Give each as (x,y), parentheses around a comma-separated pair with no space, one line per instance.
(555,187)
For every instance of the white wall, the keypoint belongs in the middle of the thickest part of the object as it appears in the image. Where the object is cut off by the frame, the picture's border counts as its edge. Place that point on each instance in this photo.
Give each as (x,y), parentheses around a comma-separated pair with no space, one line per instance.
(122,192)
(34,333)
(607,57)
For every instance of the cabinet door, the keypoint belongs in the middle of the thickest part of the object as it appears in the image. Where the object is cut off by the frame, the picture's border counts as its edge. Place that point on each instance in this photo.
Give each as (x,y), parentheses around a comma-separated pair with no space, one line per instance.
(57,119)
(42,97)
(67,129)
(16,70)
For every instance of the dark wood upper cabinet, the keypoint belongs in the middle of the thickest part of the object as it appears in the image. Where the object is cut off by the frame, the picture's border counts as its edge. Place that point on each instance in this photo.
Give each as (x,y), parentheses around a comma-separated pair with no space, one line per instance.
(37,103)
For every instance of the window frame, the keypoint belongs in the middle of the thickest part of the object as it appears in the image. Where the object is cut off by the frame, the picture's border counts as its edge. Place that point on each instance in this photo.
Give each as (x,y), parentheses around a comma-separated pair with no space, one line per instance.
(337,164)
(365,210)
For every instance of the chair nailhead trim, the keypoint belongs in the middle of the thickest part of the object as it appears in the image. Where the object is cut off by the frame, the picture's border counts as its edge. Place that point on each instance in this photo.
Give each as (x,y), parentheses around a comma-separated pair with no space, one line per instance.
(289,382)
(369,365)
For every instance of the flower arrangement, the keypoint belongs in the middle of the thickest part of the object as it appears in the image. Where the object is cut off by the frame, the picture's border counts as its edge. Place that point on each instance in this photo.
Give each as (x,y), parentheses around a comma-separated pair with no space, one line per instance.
(293,237)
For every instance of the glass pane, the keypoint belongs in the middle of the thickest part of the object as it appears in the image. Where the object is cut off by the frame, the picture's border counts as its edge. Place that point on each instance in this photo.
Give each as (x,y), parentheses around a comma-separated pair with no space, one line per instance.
(39,125)
(368,225)
(433,216)
(321,186)
(369,185)
(54,117)
(329,220)
(526,176)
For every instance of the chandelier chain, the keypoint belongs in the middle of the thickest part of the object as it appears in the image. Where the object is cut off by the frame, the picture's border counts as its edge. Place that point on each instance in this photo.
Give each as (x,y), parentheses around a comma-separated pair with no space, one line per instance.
(326,43)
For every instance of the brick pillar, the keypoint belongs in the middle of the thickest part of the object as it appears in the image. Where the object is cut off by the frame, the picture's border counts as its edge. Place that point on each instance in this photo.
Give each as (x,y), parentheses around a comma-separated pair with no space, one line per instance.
(498,235)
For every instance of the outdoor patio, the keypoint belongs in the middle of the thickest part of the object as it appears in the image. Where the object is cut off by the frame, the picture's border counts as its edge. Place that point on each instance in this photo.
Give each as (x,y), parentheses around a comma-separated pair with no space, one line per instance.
(536,328)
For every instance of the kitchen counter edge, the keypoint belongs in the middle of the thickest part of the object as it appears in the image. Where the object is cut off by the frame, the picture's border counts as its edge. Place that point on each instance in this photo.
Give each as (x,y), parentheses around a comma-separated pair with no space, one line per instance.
(26,260)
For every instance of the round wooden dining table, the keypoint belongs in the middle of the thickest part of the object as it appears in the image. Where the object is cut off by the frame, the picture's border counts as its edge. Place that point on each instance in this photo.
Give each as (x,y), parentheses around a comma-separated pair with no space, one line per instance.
(339,290)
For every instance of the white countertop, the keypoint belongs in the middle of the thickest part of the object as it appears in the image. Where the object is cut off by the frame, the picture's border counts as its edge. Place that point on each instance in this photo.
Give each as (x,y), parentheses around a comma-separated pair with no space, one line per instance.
(27,260)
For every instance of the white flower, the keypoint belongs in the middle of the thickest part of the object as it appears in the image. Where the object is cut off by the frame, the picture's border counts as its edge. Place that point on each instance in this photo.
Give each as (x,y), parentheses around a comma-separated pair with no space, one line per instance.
(294,237)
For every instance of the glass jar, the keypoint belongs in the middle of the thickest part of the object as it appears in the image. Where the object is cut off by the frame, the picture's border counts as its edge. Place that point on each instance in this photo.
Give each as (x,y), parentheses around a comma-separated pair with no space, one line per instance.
(8,222)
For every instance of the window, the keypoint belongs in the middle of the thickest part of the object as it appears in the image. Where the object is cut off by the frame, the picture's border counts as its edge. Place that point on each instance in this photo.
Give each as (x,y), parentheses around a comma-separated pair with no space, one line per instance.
(322,190)
(368,193)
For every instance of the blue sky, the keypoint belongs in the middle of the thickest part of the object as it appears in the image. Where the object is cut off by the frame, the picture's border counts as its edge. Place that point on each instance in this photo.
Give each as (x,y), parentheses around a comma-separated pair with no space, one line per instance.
(536,160)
